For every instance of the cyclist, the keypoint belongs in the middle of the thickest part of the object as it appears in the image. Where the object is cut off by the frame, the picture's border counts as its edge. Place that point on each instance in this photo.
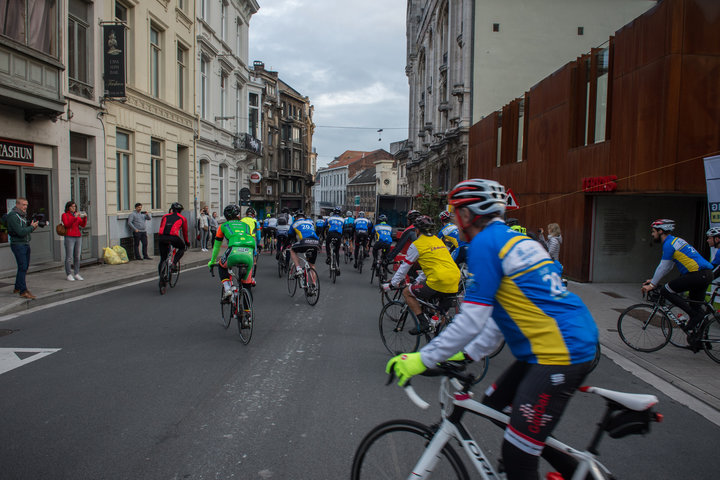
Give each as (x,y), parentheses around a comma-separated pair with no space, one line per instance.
(306,240)
(283,230)
(448,232)
(440,276)
(320,225)
(334,231)
(272,231)
(172,225)
(548,329)
(254,229)
(383,237)
(363,229)
(695,274)
(406,237)
(713,241)
(348,230)
(266,228)
(241,249)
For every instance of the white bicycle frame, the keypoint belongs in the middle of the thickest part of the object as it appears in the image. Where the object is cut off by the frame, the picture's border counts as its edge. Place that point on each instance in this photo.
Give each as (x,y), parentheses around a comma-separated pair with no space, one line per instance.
(587,462)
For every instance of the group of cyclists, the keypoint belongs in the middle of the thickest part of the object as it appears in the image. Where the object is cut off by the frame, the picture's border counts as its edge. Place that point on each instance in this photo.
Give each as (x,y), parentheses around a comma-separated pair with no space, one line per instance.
(513,292)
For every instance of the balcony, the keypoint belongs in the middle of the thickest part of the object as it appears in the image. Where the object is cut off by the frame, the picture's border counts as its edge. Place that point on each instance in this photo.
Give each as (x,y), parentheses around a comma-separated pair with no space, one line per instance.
(248,143)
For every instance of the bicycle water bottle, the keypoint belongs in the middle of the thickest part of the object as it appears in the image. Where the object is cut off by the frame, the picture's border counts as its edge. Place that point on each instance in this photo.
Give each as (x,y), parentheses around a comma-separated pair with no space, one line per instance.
(435,320)
(554,476)
(682,318)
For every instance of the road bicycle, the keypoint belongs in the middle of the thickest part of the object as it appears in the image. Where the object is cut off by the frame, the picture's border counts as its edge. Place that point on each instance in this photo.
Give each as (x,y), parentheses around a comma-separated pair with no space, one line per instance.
(169,271)
(347,253)
(307,279)
(648,327)
(334,260)
(380,267)
(239,305)
(411,450)
(360,256)
(282,259)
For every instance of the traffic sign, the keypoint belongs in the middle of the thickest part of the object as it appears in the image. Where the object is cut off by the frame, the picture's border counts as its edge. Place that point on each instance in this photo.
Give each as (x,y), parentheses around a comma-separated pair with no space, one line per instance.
(512,203)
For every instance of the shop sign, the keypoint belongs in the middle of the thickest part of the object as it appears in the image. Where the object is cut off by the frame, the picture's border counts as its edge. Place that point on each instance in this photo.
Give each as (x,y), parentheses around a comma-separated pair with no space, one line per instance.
(255,177)
(599,184)
(13,152)
(114,60)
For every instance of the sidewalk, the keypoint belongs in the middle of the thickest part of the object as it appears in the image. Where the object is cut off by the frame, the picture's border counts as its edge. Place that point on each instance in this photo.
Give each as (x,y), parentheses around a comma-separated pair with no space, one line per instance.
(695,374)
(52,285)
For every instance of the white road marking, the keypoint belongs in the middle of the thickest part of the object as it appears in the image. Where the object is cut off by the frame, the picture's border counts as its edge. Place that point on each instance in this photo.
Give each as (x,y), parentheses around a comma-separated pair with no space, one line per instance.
(11,358)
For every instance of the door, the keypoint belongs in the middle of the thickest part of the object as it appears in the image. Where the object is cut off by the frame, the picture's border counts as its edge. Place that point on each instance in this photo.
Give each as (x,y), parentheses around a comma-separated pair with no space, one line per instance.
(37,192)
(80,194)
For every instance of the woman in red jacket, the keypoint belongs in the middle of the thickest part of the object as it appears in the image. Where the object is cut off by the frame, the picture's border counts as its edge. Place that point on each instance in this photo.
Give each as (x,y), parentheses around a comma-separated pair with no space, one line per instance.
(73,222)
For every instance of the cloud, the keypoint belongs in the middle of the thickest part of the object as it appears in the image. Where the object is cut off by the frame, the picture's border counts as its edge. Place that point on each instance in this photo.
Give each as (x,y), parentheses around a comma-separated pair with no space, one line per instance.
(368,95)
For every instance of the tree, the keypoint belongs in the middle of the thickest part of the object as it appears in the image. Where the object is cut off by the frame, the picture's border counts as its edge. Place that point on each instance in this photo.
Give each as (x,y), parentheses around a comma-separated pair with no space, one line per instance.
(429,202)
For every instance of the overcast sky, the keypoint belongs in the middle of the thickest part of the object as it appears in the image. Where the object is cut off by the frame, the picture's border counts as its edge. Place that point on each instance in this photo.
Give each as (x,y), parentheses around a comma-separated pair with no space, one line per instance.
(348,57)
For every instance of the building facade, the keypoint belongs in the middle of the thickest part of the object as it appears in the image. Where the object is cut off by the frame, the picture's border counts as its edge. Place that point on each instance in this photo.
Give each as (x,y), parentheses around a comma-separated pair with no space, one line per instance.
(361,192)
(331,188)
(614,140)
(228,104)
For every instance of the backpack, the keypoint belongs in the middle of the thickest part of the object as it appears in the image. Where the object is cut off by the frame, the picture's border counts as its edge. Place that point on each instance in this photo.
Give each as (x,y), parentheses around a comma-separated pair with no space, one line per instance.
(282,219)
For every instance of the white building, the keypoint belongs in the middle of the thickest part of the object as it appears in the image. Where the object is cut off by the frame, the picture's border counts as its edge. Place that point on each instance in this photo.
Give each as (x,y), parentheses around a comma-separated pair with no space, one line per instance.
(228,142)
(331,188)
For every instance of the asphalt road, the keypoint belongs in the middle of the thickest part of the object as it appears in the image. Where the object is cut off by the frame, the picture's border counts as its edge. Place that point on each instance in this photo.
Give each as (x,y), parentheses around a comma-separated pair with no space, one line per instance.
(151,387)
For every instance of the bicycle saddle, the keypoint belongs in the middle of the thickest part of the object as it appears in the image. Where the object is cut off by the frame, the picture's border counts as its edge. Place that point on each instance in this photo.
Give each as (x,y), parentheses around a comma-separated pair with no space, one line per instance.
(633,401)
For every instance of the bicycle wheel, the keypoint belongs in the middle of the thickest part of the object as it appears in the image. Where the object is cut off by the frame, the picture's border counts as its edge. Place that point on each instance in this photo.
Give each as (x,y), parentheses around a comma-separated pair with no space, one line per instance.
(498,349)
(291,281)
(246,316)
(372,273)
(333,273)
(395,321)
(162,283)
(174,275)
(644,327)
(478,369)
(280,269)
(226,309)
(392,450)
(361,259)
(711,339)
(312,287)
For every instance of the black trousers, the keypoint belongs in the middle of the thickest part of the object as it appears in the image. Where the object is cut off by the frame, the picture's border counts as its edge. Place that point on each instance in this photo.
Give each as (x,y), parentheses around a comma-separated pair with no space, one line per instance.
(695,283)
(140,237)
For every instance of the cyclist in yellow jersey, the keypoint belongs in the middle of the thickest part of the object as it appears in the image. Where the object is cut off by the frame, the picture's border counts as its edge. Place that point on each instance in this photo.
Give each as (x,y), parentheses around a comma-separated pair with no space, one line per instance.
(440,275)
(254,229)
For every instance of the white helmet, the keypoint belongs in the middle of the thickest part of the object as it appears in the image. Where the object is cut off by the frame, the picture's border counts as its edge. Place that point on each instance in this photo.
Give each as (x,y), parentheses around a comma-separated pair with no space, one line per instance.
(480,196)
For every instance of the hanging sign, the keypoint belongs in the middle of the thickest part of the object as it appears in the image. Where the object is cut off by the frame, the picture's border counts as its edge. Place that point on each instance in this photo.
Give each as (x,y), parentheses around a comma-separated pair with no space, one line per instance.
(114,60)
(255,177)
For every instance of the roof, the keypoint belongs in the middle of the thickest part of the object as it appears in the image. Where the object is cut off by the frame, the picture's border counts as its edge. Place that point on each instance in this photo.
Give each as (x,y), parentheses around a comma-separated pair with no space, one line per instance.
(366,176)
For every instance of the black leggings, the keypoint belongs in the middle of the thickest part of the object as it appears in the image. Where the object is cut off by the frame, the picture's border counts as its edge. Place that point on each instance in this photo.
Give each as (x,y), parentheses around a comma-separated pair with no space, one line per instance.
(538,395)
(695,283)
(164,242)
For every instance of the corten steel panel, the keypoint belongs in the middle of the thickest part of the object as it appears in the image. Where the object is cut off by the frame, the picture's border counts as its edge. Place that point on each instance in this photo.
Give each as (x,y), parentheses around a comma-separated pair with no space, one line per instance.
(705,41)
(552,91)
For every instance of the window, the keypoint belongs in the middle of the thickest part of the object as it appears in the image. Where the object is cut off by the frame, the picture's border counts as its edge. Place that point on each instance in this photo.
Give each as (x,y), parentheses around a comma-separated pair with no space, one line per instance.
(591,90)
(520,129)
(8,190)
(156,173)
(155,65)
(121,12)
(32,23)
(203,87)
(223,97)
(496,27)
(221,184)
(204,5)
(78,55)
(223,21)
(181,4)
(182,74)
(296,160)
(238,109)
(602,58)
(296,134)
(123,156)
(498,154)
(254,115)
(239,38)
(581,30)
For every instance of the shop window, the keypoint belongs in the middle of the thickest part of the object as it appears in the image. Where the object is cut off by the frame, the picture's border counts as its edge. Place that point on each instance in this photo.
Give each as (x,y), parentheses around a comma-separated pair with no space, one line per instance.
(123,159)
(8,194)
(156,173)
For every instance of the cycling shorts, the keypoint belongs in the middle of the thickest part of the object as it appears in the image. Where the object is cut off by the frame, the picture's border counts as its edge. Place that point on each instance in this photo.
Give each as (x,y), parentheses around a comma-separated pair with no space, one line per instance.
(348,231)
(423,292)
(268,232)
(309,246)
(241,257)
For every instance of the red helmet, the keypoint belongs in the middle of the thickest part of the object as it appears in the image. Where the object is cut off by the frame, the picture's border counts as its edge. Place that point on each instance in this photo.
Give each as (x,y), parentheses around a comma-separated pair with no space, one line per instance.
(664,224)
(445,216)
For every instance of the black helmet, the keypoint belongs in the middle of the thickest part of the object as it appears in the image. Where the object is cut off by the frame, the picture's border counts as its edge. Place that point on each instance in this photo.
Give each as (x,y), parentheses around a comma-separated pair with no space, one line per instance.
(425,224)
(336,211)
(382,218)
(176,207)
(231,212)
(412,215)
(511,222)
(285,210)
(250,212)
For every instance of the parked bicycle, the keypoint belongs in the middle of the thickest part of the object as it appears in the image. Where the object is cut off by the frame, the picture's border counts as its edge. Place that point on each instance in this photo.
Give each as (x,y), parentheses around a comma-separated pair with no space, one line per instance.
(308,281)
(409,449)
(169,271)
(334,260)
(648,327)
(238,306)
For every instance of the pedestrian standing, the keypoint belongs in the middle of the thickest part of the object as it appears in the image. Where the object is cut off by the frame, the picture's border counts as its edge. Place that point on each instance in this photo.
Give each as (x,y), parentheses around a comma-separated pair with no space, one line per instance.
(553,242)
(204,229)
(138,227)
(20,231)
(214,224)
(73,221)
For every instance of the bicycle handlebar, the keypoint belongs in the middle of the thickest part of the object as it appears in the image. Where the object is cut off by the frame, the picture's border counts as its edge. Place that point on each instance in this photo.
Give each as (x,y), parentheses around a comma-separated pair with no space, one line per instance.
(453,370)
(212,269)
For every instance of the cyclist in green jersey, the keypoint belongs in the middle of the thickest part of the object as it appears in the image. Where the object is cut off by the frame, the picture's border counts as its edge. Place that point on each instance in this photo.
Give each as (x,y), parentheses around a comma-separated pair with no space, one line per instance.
(240,251)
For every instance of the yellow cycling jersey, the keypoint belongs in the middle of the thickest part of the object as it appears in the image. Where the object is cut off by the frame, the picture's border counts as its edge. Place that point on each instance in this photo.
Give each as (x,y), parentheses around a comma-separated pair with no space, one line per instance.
(438,266)
(251,223)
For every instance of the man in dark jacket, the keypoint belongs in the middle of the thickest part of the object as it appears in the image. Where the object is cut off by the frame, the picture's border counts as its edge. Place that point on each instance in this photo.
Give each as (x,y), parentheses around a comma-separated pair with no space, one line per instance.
(19,231)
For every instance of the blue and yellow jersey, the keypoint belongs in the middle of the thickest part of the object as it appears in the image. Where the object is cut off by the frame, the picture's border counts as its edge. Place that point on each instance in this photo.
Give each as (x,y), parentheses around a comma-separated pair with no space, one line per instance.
(304,229)
(266,223)
(349,222)
(542,322)
(362,225)
(716,260)
(449,234)
(684,255)
(320,223)
(335,224)
(383,233)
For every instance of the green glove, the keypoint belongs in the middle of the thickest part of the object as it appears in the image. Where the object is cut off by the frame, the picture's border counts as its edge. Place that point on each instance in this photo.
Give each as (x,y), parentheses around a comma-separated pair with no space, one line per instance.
(211,264)
(458,357)
(405,366)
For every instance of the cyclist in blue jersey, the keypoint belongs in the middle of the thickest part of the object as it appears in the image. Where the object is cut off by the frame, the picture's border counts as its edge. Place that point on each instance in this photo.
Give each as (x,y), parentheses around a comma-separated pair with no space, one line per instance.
(349,229)
(363,228)
(303,233)
(448,231)
(383,237)
(713,240)
(320,224)
(282,230)
(695,274)
(334,231)
(548,329)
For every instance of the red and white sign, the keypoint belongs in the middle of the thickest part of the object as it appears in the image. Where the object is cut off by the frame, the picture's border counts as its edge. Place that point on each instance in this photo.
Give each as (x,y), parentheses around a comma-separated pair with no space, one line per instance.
(255,177)
(512,203)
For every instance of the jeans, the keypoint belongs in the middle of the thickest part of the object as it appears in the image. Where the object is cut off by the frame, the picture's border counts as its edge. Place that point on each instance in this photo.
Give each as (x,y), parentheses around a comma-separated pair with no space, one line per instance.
(72,254)
(22,257)
(138,238)
(204,237)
